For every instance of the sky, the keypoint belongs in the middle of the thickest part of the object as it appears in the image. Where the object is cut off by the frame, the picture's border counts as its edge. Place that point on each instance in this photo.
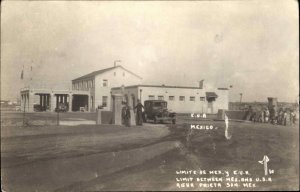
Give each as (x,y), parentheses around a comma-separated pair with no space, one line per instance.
(251,45)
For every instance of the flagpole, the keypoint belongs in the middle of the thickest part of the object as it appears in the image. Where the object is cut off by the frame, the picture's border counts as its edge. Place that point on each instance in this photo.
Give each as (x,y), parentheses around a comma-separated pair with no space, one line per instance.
(22,79)
(24,112)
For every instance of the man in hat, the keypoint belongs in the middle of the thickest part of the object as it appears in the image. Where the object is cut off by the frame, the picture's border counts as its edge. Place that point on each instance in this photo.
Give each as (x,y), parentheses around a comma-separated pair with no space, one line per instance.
(139,113)
(126,115)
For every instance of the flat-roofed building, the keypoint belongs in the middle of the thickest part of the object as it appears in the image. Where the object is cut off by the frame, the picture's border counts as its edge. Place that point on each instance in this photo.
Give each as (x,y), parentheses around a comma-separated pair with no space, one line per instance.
(180,99)
(50,99)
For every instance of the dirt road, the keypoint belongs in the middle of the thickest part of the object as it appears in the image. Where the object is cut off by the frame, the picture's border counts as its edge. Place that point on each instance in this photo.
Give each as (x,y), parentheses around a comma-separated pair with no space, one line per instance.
(51,157)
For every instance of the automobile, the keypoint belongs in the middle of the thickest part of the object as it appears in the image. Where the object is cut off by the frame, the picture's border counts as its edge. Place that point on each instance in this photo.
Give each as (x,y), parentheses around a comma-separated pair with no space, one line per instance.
(37,107)
(62,107)
(18,108)
(157,111)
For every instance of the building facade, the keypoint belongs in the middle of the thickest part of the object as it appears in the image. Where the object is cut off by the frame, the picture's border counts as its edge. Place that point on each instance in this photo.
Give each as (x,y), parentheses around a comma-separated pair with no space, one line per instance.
(97,90)
(180,99)
(99,84)
(49,99)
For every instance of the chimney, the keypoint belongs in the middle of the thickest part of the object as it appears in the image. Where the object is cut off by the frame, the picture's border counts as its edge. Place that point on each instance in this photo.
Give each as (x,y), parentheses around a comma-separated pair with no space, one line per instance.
(201,84)
(115,62)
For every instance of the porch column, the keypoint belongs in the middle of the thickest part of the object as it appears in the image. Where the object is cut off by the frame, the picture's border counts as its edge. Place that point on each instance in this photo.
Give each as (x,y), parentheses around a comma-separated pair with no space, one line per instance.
(89,103)
(22,102)
(26,102)
(57,100)
(30,101)
(41,100)
(117,109)
(52,102)
(48,100)
(70,102)
(44,100)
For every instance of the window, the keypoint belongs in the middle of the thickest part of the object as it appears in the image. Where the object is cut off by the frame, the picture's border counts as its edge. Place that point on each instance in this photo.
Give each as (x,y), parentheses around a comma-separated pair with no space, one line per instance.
(123,73)
(160,104)
(171,98)
(160,97)
(202,98)
(151,97)
(104,83)
(115,73)
(192,98)
(104,101)
(181,98)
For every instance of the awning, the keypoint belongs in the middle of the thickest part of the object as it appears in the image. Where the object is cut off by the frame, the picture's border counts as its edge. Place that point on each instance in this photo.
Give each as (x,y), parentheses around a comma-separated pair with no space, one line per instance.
(211,95)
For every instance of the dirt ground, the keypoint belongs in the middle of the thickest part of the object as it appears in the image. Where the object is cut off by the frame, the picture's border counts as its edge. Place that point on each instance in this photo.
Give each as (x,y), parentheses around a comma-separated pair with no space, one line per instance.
(109,157)
(209,150)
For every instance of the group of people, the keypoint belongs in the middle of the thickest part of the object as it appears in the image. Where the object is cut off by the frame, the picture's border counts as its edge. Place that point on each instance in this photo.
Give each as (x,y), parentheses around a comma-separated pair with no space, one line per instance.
(126,115)
(281,117)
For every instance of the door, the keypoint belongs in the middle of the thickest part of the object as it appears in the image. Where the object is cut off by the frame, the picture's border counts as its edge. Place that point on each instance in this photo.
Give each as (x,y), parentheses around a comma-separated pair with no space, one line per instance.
(210,108)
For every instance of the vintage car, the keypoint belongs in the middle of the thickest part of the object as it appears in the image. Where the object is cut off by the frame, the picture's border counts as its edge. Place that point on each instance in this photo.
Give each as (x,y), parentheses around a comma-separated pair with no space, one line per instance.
(62,107)
(157,111)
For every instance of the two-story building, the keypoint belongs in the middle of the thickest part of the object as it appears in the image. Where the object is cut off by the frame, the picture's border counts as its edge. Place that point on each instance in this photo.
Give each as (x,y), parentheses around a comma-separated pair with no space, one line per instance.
(99,84)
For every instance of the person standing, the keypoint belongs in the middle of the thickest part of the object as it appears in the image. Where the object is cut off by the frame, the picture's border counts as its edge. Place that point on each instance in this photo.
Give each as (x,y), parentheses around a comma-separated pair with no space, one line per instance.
(279,117)
(139,113)
(285,117)
(262,116)
(272,114)
(127,115)
(123,113)
(293,117)
(267,115)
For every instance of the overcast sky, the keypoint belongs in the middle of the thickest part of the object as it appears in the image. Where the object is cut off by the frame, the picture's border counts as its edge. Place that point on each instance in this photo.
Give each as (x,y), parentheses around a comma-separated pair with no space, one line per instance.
(251,45)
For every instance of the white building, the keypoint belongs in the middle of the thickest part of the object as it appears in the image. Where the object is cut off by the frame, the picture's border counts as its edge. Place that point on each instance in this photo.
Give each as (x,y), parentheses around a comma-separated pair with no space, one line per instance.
(180,99)
(99,84)
(97,89)
(104,83)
